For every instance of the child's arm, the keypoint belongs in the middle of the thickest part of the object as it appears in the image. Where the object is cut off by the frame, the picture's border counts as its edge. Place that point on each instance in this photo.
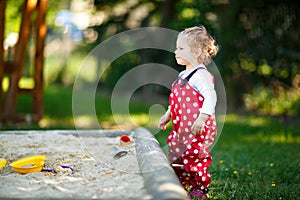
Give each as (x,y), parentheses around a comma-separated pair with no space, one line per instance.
(164,120)
(199,123)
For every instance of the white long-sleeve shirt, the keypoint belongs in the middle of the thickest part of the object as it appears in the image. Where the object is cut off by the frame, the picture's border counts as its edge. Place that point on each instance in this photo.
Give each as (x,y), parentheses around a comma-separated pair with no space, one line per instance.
(203,82)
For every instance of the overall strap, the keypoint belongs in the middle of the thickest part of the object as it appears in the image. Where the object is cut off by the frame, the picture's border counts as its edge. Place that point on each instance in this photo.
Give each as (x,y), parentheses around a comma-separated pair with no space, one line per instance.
(176,81)
(186,79)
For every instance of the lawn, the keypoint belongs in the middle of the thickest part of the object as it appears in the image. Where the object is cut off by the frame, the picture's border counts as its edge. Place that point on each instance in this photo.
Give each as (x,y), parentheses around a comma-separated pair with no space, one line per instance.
(256,157)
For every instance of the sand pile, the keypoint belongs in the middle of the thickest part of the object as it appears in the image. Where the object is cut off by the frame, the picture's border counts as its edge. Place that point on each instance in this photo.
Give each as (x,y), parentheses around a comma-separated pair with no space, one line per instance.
(96,173)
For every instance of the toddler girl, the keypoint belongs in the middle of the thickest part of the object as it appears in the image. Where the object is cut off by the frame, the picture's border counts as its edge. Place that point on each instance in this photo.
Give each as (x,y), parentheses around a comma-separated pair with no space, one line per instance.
(192,104)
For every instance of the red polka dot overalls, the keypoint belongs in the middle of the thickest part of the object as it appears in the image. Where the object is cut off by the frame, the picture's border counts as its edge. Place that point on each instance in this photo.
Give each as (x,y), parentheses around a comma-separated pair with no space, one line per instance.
(189,154)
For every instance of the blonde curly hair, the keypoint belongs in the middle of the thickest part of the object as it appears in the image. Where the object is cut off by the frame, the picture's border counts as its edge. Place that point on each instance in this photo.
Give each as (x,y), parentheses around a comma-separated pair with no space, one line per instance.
(203,44)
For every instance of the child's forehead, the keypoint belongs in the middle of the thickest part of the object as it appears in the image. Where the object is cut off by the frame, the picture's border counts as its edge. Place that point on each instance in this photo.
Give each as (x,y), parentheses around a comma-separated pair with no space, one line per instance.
(181,39)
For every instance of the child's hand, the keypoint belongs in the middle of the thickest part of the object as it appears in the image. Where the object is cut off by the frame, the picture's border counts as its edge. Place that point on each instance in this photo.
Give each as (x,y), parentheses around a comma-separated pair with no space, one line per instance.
(164,120)
(199,123)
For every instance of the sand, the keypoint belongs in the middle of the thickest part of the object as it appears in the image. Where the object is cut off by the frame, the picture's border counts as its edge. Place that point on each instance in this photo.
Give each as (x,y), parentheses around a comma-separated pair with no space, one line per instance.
(97,175)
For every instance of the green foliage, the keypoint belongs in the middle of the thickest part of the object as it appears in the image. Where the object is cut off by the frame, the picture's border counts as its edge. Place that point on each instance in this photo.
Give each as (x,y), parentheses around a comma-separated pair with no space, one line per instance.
(119,67)
(13,17)
(14,9)
(257,44)
(258,39)
(274,100)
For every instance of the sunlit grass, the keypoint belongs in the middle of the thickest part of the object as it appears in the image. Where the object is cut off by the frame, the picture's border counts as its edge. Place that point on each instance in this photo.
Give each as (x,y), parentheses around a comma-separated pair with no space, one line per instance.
(264,129)
(48,122)
(281,137)
(59,114)
(249,120)
(141,119)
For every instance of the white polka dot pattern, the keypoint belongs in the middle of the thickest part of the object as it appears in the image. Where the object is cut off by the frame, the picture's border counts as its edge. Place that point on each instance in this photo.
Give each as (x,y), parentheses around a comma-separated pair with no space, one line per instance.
(184,146)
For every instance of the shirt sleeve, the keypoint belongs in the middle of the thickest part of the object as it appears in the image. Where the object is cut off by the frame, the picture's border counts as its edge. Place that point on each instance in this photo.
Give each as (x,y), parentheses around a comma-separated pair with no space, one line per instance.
(203,82)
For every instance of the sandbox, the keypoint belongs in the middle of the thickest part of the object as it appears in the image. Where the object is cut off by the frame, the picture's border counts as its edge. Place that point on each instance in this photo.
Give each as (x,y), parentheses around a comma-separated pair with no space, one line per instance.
(143,173)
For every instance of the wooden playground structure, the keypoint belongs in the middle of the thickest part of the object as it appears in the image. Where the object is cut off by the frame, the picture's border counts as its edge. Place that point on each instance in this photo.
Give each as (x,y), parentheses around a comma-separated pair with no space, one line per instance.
(33,16)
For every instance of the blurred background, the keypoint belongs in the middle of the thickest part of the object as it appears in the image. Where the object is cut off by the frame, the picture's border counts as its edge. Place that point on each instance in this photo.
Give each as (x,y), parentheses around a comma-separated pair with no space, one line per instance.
(258,59)
(257,155)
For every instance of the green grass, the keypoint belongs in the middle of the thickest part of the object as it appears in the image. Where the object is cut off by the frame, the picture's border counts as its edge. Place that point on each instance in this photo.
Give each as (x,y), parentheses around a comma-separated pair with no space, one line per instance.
(58,111)
(255,157)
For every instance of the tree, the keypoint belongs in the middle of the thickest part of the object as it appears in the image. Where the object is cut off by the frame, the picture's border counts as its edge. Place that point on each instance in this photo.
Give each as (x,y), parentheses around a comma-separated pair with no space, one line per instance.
(259,44)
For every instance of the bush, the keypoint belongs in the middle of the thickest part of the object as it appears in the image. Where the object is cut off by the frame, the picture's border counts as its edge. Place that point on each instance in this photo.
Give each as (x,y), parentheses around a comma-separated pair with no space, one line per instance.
(275,100)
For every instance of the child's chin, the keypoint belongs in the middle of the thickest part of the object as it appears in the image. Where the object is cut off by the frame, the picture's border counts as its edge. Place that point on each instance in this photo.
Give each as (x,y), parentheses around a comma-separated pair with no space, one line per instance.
(179,62)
